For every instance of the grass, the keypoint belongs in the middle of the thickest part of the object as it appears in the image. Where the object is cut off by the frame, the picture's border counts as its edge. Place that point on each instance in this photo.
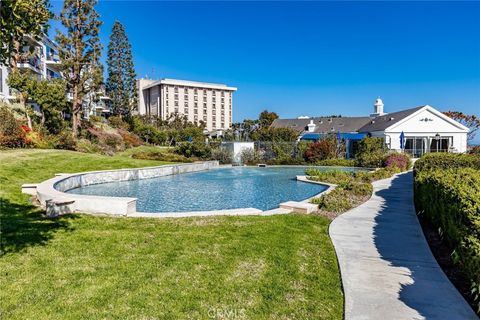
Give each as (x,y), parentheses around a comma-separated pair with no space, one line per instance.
(85,267)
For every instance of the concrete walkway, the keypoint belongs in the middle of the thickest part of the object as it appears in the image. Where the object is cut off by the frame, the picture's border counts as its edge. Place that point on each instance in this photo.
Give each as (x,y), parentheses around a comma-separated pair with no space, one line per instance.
(388,270)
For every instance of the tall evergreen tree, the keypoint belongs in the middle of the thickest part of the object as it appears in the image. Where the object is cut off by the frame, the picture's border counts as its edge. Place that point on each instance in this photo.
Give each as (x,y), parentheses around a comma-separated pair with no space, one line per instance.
(121,83)
(79,51)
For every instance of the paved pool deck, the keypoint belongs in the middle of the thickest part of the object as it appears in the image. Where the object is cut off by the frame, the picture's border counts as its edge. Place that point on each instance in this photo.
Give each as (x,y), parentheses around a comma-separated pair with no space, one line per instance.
(387,268)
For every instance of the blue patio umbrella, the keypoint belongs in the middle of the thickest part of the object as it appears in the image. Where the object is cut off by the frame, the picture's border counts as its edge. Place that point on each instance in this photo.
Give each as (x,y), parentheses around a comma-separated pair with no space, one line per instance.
(402,140)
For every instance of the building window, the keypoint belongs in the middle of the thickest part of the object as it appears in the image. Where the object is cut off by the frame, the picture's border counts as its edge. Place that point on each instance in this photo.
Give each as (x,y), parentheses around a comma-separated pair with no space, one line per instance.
(204,105)
(166,89)
(205,92)
(185,110)
(175,89)
(213,99)
(223,100)
(176,103)
(176,110)
(195,104)
(166,103)
(195,91)
(195,98)
(185,90)
(223,93)
(176,96)
(214,118)
(204,99)
(204,111)
(195,111)
(185,104)
(204,118)
(214,106)
(223,124)
(223,107)
(185,97)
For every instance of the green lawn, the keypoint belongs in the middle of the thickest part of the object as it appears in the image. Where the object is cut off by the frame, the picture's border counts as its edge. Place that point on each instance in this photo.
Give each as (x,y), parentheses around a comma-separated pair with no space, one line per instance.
(84,267)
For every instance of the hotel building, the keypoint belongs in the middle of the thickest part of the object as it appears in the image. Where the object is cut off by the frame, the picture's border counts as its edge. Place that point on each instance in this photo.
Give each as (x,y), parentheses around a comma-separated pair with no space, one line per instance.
(199,101)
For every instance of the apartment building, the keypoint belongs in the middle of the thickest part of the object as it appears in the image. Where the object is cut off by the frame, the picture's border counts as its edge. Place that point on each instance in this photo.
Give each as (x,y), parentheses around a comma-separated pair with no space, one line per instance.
(44,63)
(199,101)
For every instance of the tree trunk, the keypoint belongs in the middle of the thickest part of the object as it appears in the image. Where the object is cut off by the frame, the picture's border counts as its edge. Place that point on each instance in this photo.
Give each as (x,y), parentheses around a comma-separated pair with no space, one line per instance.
(76,109)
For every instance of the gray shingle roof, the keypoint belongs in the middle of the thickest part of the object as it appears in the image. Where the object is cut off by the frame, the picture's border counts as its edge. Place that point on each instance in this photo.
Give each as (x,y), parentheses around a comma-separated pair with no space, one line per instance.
(324,124)
(346,124)
(381,123)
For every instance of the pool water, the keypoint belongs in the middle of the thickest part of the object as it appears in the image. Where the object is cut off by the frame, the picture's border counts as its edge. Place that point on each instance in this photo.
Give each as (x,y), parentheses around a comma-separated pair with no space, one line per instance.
(223,188)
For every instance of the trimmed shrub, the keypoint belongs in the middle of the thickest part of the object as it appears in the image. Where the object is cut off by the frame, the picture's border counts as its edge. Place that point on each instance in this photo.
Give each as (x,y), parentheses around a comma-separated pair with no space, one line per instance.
(334,201)
(447,194)
(371,153)
(443,161)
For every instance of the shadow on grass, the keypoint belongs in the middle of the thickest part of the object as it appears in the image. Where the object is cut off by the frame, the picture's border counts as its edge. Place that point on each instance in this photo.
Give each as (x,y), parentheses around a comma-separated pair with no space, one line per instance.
(22,226)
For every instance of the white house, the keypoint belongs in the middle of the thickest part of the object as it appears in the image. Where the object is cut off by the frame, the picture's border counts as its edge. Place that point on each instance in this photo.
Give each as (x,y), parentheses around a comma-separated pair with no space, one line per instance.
(424,129)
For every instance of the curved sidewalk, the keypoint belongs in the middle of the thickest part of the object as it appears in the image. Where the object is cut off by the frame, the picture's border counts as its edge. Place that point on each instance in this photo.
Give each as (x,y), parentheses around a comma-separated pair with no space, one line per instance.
(388,270)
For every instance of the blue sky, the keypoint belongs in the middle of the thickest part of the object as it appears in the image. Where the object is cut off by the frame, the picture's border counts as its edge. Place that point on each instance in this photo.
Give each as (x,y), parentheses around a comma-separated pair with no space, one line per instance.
(310,58)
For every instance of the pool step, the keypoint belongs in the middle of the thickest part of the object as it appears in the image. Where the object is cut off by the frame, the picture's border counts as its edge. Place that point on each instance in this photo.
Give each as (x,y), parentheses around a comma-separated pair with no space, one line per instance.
(301,207)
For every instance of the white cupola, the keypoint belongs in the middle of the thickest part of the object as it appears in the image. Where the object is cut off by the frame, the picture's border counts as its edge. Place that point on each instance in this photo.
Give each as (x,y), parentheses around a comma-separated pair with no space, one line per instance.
(311,126)
(377,108)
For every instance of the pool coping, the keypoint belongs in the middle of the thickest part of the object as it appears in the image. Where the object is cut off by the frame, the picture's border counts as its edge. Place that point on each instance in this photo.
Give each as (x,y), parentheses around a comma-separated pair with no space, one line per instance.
(52,197)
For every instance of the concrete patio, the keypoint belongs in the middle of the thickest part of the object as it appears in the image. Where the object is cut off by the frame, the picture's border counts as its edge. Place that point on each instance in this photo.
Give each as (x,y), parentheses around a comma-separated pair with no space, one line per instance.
(387,268)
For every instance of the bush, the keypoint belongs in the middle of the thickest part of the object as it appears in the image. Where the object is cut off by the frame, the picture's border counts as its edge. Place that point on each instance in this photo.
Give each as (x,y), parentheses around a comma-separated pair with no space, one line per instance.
(336,162)
(118,122)
(322,149)
(330,176)
(443,161)
(11,133)
(194,149)
(361,189)
(250,157)
(399,160)
(130,139)
(94,119)
(334,201)
(108,142)
(475,150)
(161,156)
(86,146)
(371,153)
(65,140)
(450,200)
(223,155)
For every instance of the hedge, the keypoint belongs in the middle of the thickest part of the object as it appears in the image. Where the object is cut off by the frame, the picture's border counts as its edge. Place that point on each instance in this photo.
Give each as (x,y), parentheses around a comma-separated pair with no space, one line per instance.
(447,193)
(443,161)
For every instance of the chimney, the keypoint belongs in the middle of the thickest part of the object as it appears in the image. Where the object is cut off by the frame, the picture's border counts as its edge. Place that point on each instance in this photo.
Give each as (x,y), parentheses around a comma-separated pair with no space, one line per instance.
(311,126)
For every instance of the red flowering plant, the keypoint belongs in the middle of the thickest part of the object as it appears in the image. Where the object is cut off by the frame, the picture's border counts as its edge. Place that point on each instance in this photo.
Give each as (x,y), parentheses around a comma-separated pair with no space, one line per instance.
(399,160)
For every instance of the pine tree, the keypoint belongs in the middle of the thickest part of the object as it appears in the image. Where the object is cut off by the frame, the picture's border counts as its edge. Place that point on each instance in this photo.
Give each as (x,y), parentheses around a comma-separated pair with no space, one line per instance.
(121,83)
(79,51)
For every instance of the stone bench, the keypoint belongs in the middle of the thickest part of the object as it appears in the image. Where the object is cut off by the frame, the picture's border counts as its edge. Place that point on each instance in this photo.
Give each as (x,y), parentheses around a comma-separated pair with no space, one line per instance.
(300,207)
(59,206)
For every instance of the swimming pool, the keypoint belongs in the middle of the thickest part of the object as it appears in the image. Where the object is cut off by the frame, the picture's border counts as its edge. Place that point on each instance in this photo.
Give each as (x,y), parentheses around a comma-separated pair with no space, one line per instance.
(216,189)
